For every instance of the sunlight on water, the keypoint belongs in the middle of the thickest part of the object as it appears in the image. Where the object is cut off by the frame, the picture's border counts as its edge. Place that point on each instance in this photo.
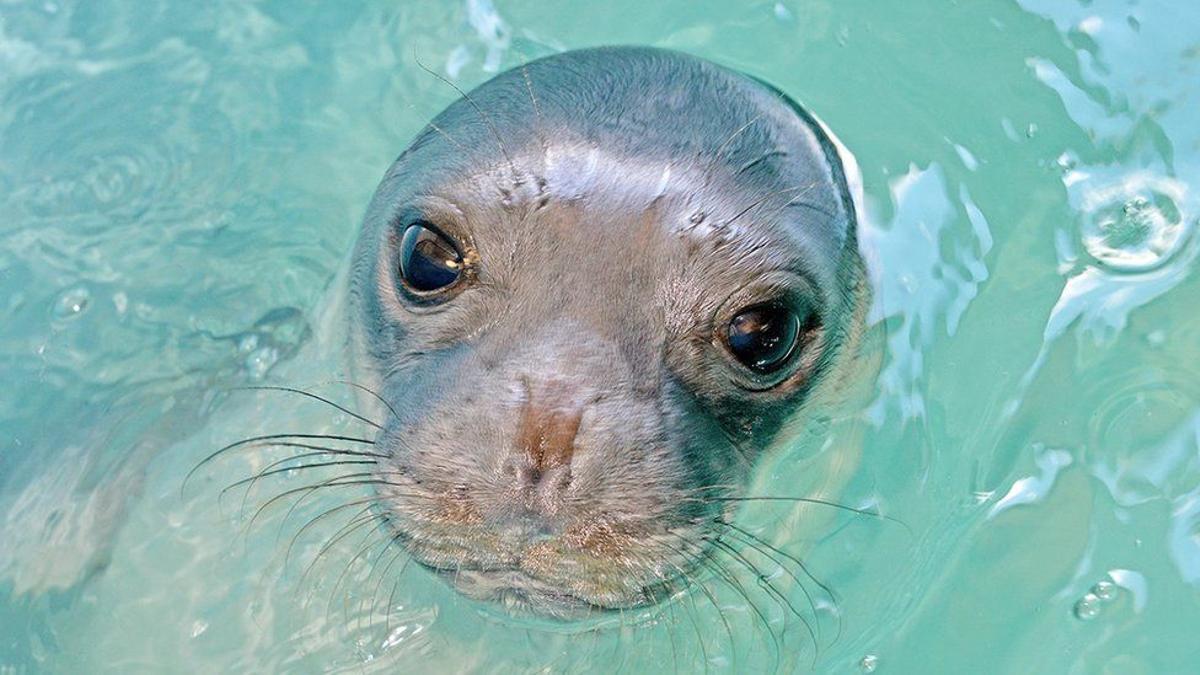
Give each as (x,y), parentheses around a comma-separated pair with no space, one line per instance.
(180,182)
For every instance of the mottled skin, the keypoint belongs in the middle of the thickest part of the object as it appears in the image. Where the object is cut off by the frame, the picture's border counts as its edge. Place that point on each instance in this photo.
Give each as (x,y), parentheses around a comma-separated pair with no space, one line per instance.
(565,422)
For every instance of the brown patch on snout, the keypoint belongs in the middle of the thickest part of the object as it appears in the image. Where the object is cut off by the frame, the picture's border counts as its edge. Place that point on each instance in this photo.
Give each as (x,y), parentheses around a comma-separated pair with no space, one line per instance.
(549,423)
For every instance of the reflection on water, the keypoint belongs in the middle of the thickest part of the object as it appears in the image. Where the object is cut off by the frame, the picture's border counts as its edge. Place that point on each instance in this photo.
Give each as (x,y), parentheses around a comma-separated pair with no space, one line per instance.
(179,183)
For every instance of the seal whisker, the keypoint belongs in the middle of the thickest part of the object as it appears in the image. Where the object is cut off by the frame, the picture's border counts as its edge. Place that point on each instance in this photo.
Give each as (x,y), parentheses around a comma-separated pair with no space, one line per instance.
(392,595)
(769,195)
(762,546)
(269,470)
(254,441)
(315,397)
(693,559)
(337,536)
(392,541)
(342,532)
(537,111)
(811,500)
(720,151)
(373,393)
(765,583)
(363,548)
(735,583)
(761,158)
(797,202)
(746,535)
(307,490)
(482,115)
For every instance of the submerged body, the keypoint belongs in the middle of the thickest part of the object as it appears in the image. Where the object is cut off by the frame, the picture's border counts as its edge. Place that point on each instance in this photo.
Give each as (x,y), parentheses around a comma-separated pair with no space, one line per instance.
(590,295)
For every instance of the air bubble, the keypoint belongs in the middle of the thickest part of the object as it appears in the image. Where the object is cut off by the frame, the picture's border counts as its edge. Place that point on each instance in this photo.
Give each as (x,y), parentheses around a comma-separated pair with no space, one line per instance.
(1105,590)
(1136,224)
(72,302)
(869,663)
(1087,607)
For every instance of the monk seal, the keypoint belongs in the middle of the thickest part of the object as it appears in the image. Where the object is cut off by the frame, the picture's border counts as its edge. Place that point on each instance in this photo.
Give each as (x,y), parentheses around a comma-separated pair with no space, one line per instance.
(586,299)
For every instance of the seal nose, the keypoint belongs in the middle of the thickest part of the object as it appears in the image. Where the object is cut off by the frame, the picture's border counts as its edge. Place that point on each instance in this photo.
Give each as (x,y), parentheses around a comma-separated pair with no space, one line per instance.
(549,423)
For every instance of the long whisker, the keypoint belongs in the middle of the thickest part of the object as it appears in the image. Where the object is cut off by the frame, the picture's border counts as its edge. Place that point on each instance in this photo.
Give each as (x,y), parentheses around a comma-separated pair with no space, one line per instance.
(370,502)
(809,500)
(703,589)
(732,581)
(261,440)
(758,202)
(355,521)
(272,471)
(767,586)
(315,397)
(392,595)
(482,115)
(747,535)
(368,390)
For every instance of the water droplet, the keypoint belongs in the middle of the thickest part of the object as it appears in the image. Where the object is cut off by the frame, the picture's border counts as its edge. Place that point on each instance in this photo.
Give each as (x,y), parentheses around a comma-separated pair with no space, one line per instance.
(869,663)
(1087,607)
(1105,590)
(72,302)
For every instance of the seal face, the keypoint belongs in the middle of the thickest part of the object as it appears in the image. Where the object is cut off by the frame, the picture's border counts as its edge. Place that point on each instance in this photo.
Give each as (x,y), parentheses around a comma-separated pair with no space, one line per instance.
(592,292)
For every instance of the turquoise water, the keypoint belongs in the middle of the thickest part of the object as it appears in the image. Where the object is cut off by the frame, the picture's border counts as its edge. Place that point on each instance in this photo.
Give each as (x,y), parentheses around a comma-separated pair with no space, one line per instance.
(179,184)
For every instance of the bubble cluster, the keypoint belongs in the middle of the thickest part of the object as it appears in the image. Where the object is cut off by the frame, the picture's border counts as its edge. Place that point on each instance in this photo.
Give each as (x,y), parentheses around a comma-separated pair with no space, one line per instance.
(1136,224)
(1093,602)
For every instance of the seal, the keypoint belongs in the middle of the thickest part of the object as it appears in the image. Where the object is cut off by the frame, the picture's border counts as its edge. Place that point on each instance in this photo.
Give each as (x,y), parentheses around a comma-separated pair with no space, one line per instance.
(588,297)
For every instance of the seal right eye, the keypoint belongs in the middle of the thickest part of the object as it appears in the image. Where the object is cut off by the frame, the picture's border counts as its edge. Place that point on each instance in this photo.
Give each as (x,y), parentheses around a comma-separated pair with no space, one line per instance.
(429,261)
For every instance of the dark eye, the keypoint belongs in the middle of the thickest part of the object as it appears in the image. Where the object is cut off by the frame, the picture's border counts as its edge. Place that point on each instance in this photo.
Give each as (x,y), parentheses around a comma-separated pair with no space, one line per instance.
(428,260)
(762,337)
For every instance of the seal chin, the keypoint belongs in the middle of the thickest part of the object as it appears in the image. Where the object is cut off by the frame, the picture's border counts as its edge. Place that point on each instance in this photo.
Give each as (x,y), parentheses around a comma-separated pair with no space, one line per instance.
(523,594)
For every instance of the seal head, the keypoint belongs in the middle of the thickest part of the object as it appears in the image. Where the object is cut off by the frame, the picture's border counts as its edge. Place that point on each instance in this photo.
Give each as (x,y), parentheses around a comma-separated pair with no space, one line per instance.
(593,291)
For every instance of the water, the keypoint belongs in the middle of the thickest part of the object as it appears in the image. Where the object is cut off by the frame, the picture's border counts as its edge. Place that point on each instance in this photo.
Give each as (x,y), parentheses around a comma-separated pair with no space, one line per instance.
(180,182)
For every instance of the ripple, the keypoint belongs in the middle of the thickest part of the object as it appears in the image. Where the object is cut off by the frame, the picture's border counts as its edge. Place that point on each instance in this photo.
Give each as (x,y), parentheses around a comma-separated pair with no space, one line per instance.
(118,143)
(1141,438)
(1136,224)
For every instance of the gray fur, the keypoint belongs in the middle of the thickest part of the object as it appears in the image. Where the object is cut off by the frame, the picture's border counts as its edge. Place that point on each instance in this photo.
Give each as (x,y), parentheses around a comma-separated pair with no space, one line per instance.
(617,204)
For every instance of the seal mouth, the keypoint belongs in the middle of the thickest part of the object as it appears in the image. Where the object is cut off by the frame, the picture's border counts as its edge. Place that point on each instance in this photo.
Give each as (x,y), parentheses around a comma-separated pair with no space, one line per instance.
(547,576)
(517,592)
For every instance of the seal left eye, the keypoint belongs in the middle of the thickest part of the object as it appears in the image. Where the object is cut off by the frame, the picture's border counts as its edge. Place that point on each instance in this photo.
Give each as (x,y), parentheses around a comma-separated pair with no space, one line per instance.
(763,337)
(428,260)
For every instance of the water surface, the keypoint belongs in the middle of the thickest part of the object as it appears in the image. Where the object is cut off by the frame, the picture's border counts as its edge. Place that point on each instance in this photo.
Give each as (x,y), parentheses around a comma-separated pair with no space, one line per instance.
(180,182)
